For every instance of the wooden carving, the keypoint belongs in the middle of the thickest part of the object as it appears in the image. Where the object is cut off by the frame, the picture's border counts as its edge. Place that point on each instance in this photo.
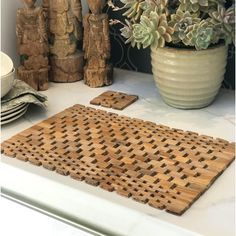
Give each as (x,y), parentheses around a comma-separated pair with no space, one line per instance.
(32,45)
(65,32)
(97,72)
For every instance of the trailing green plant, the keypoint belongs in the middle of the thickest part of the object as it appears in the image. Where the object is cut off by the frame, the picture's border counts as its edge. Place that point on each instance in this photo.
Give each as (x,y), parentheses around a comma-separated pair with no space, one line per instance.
(184,23)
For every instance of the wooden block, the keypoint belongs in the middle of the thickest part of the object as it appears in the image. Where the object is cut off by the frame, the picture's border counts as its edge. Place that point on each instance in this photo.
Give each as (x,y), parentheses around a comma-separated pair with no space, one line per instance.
(37,79)
(114,100)
(68,69)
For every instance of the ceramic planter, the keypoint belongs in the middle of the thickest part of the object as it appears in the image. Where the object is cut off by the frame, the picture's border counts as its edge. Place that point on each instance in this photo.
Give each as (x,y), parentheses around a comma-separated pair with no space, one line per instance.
(187,78)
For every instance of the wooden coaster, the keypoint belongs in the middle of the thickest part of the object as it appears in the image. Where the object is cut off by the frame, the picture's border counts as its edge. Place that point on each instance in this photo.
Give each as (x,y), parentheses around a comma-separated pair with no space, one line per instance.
(154,164)
(115,100)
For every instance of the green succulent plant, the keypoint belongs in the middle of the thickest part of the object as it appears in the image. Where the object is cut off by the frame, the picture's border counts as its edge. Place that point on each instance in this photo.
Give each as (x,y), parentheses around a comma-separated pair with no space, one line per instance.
(133,9)
(188,5)
(224,21)
(199,5)
(187,23)
(159,6)
(151,31)
(200,35)
(181,22)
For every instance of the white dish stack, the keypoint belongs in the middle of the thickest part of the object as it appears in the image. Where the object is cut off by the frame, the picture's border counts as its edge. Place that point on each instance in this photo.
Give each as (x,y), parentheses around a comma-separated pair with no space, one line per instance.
(13,114)
(7,72)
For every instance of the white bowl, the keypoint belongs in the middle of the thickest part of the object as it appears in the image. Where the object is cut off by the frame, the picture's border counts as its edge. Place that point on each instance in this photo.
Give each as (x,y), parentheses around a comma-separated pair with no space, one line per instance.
(7,82)
(6,64)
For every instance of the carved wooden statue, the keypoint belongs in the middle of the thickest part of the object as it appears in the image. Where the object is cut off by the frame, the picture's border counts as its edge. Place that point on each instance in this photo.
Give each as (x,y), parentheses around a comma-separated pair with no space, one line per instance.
(65,31)
(32,45)
(97,71)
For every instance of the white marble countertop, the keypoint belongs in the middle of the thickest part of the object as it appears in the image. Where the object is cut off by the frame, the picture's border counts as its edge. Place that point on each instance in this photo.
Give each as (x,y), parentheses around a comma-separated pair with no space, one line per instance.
(109,213)
(25,216)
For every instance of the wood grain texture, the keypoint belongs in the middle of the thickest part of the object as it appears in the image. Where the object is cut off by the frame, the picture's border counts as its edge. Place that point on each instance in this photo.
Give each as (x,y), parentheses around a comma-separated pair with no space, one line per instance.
(98,71)
(154,164)
(64,21)
(68,69)
(115,100)
(32,46)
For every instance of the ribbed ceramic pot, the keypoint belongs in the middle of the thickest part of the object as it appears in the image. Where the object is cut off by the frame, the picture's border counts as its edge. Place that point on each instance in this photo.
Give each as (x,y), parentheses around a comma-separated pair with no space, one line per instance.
(187,78)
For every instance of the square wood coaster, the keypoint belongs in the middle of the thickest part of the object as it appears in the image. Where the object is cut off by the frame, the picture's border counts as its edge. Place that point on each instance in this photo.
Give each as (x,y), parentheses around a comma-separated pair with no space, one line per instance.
(154,164)
(115,100)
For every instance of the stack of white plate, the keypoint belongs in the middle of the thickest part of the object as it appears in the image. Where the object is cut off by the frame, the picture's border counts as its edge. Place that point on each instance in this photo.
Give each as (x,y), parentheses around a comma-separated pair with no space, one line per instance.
(7,73)
(14,113)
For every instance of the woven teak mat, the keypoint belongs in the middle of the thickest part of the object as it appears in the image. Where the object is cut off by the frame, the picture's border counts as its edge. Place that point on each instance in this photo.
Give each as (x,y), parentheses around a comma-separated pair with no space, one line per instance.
(115,100)
(154,164)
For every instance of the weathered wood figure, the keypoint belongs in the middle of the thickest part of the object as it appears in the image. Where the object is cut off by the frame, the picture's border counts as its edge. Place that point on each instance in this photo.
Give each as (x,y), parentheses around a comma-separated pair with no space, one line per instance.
(32,45)
(65,32)
(97,72)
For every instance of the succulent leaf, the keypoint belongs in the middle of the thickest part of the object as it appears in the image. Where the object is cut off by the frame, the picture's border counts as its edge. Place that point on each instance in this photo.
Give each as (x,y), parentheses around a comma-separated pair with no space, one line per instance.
(181,21)
(152,30)
(224,21)
(200,35)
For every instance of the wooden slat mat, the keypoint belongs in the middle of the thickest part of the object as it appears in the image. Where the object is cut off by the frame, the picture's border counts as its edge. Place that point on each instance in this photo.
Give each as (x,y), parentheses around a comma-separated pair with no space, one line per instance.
(154,164)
